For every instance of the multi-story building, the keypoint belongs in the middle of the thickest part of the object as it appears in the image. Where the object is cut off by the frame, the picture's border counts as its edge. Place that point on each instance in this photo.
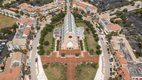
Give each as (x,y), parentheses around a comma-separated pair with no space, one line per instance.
(108,26)
(86,7)
(52,7)
(21,38)
(128,66)
(28,9)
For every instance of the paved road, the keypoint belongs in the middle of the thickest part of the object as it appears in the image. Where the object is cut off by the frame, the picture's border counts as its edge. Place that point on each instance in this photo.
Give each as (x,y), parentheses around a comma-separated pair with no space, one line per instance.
(33,53)
(105,53)
(33,56)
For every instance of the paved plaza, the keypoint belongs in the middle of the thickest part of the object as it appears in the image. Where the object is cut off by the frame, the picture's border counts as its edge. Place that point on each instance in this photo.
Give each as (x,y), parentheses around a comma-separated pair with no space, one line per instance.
(71,62)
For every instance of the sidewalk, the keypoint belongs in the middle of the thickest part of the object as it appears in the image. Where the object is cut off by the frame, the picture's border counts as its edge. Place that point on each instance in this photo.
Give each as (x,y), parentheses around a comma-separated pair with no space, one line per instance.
(41,74)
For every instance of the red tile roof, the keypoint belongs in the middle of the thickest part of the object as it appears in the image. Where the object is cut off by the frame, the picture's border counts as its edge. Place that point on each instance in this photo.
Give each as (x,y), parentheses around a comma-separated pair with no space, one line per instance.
(27,30)
(11,74)
(23,5)
(122,61)
(119,54)
(113,27)
(124,72)
(84,5)
(13,9)
(25,20)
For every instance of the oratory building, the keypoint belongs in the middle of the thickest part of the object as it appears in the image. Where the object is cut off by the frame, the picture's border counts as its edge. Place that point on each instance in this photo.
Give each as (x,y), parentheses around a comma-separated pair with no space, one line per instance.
(69,38)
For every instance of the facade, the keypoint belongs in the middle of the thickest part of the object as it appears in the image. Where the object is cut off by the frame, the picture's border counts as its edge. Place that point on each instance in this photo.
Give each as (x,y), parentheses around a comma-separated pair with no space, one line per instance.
(69,35)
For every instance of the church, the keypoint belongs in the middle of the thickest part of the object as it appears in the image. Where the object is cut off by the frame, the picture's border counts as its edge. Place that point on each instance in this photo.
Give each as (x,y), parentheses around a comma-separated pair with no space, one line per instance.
(69,35)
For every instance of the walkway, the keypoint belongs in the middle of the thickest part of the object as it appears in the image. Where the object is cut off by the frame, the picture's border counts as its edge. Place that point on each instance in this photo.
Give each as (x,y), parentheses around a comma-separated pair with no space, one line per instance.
(70,61)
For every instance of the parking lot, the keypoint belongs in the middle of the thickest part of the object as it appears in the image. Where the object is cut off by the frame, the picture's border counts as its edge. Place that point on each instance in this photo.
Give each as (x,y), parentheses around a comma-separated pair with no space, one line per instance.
(134,31)
(110,4)
(3,49)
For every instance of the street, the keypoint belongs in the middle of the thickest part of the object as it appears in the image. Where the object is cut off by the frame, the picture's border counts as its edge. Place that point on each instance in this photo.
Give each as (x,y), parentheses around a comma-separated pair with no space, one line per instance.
(106,57)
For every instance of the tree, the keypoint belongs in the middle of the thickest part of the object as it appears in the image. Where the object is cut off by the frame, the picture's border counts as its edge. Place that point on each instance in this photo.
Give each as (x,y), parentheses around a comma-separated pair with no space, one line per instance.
(98,51)
(46,43)
(41,52)
(125,10)
(98,46)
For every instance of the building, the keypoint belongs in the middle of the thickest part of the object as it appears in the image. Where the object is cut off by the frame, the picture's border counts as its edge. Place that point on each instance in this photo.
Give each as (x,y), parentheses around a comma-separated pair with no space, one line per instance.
(108,26)
(21,38)
(120,43)
(128,67)
(69,35)
(28,9)
(13,67)
(52,7)
(86,7)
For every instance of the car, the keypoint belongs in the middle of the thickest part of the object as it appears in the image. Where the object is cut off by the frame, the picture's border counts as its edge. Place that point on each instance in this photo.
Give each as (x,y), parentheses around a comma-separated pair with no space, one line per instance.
(36,59)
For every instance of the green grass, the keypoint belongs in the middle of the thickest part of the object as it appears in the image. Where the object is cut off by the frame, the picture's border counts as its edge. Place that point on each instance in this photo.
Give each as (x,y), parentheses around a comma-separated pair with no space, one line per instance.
(6,21)
(49,38)
(55,71)
(85,72)
(89,37)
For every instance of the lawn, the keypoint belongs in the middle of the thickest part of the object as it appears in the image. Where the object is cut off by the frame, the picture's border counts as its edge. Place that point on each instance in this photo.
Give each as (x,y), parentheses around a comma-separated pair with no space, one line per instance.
(6,21)
(89,37)
(55,71)
(86,71)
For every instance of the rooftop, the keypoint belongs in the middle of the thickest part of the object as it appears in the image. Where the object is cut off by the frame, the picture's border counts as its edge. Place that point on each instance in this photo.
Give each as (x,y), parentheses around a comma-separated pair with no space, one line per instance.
(123,71)
(12,74)
(113,27)
(84,5)
(119,54)
(122,61)
(23,5)
(13,60)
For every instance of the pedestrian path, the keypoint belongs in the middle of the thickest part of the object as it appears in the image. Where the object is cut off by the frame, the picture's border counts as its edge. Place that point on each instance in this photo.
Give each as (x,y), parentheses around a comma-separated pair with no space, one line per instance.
(71,62)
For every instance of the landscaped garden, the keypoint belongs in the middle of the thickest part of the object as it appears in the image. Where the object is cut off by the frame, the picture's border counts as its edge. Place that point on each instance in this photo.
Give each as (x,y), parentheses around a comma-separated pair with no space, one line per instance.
(47,42)
(55,71)
(86,71)
(91,38)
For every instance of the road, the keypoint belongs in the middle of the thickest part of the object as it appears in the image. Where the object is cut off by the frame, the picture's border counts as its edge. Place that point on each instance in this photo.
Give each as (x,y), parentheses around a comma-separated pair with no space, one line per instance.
(33,52)
(105,54)
(33,56)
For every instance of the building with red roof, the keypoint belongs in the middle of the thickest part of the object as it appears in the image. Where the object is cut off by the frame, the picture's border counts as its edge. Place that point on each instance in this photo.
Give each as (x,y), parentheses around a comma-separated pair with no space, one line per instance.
(108,26)
(123,73)
(28,9)
(12,74)
(84,6)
